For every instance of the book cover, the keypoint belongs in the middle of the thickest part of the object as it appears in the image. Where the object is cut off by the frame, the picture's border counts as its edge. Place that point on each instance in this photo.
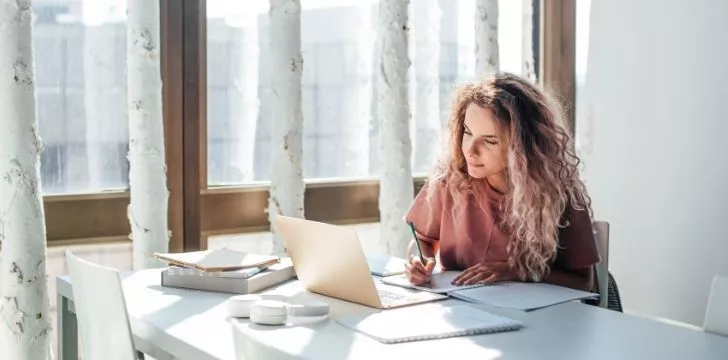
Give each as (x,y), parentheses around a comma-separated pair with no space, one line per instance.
(217,260)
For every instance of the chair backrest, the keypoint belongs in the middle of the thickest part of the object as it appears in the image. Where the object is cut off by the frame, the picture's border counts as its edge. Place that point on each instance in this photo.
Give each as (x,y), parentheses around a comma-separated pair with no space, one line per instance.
(716,314)
(601,235)
(101,311)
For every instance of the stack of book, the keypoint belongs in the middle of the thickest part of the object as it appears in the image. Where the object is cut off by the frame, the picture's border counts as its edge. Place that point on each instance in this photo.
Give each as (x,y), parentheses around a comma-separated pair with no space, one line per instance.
(225,270)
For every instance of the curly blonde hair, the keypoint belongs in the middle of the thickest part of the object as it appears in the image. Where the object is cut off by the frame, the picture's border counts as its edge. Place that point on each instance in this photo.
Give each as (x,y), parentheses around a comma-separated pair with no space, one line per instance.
(541,167)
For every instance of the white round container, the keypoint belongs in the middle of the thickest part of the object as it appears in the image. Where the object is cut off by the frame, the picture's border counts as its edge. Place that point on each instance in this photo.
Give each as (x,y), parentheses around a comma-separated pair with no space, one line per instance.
(239,305)
(269,312)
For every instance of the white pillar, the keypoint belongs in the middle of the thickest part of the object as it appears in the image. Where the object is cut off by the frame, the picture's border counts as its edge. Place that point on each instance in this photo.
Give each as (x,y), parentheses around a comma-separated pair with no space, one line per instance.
(528,65)
(412,78)
(25,325)
(147,211)
(427,68)
(486,37)
(287,187)
(356,109)
(396,188)
(243,102)
(465,25)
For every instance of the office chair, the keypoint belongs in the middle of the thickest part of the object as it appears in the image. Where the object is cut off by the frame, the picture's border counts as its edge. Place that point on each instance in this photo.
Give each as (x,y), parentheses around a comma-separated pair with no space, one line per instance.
(606,284)
(103,323)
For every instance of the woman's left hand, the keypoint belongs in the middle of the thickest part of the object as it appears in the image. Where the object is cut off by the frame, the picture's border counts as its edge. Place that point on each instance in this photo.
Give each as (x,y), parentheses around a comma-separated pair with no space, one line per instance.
(486,273)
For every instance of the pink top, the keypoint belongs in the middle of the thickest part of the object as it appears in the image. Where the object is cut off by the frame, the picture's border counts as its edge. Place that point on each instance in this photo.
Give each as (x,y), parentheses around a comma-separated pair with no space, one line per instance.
(475,236)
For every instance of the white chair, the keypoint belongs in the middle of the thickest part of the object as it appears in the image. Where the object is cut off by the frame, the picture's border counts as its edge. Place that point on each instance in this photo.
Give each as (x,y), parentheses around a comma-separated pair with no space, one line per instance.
(601,235)
(103,322)
(716,314)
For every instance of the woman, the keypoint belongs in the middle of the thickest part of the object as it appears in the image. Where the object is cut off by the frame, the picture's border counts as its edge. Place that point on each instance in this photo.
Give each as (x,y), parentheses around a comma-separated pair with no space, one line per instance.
(505,202)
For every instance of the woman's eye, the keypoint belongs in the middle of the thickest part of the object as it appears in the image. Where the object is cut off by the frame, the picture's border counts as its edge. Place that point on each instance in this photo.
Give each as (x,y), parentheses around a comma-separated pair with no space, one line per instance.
(491,142)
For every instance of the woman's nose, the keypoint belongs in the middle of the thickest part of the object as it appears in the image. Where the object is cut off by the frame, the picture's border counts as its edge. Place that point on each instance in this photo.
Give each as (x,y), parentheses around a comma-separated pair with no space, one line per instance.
(471,149)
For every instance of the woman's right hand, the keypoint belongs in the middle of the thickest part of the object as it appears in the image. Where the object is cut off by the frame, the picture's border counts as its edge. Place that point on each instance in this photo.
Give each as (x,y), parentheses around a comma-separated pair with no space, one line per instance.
(417,272)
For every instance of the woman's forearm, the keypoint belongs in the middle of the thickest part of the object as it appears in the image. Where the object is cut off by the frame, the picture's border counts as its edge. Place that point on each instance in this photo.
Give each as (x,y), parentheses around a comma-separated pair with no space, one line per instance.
(578,279)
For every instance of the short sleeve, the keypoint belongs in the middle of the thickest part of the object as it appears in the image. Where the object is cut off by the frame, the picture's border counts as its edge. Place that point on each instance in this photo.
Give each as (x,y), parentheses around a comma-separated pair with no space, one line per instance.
(425,213)
(577,245)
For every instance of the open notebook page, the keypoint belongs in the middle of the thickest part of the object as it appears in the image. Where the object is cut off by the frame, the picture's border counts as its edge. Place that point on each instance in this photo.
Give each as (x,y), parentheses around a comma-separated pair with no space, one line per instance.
(440,282)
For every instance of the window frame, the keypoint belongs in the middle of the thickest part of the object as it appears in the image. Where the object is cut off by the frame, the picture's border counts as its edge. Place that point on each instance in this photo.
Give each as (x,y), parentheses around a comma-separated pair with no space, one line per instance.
(558,54)
(197,211)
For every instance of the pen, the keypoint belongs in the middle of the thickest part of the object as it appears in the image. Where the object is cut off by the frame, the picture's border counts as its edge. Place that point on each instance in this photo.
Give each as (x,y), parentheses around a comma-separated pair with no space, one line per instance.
(417,242)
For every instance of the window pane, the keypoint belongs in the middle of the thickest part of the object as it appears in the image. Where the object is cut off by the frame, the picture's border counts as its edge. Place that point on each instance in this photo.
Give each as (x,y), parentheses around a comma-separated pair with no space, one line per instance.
(340,51)
(80,83)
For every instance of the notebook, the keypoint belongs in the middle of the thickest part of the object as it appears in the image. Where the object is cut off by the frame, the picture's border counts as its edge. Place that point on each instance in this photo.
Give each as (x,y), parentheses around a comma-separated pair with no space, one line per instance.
(217,260)
(521,296)
(427,322)
(440,282)
(224,283)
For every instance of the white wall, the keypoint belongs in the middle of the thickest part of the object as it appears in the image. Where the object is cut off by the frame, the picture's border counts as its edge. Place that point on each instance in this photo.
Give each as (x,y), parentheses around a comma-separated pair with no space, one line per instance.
(656,141)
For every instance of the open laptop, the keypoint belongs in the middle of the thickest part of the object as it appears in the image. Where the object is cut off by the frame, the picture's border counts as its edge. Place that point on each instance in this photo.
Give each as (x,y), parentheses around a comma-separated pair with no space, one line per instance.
(329,260)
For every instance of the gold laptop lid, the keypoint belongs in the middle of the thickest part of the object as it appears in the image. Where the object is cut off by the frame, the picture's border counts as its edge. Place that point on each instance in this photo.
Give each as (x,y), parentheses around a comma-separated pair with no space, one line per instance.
(328,260)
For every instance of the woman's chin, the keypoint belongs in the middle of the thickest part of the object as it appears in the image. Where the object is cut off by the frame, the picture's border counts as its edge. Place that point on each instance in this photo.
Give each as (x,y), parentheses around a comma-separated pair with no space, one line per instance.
(476,173)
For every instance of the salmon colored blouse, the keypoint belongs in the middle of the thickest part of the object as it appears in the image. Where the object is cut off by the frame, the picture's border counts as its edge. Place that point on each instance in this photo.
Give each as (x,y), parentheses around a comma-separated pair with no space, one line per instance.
(475,235)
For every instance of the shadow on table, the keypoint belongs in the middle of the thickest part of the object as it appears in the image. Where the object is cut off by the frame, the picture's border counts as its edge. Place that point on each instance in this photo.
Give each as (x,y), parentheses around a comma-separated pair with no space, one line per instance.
(188,304)
(301,338)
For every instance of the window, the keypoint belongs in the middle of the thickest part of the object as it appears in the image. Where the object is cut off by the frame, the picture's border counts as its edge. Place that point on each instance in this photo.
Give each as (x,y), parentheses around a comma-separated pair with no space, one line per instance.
(215,51)
(80,48)
(339,84)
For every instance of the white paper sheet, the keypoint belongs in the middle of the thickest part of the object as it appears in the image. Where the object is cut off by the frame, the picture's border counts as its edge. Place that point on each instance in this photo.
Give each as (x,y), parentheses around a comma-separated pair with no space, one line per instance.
(521,296)
(382,265)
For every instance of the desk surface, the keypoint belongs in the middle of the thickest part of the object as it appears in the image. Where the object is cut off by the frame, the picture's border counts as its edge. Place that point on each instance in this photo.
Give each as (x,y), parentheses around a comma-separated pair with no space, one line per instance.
(194,325)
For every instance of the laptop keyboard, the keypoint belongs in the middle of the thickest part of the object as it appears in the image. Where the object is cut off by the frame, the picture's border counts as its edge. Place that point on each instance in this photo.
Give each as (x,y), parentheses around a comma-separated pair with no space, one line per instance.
(391,296)
(394,295)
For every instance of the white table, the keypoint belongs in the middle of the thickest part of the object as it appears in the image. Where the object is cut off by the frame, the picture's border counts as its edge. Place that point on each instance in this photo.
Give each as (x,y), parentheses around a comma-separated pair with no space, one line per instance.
(181,324)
